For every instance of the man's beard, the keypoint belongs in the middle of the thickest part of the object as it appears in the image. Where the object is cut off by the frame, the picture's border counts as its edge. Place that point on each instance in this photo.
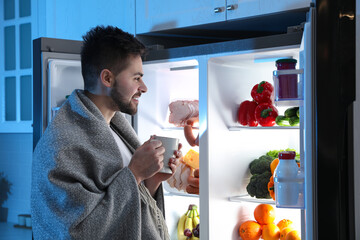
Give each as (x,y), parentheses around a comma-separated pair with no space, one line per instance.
(120,102)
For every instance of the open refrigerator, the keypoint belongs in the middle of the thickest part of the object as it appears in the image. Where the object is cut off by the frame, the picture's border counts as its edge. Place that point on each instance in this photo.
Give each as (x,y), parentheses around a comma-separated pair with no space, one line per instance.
(221,76)
(221,81)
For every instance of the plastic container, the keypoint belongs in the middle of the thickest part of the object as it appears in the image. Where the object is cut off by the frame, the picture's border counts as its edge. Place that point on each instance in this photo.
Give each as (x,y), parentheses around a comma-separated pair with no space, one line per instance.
(286,181)
(288,84)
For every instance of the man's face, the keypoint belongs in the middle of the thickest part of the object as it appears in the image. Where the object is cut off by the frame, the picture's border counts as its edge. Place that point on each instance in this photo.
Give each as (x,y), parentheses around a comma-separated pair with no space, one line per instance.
(129,86)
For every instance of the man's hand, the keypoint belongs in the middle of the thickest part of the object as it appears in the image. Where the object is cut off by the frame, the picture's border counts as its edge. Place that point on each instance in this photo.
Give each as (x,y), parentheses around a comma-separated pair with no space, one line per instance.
(193,181)
(153,182)
(147,160)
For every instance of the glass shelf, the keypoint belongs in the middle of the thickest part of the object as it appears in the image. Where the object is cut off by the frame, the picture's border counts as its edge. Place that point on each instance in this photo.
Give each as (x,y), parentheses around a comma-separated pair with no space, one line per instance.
(177,128)
(248,198)
(180,194)
(239,128)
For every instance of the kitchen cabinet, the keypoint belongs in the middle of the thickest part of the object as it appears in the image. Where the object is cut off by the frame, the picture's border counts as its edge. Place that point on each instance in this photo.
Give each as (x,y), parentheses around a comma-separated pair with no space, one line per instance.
(71,19)
(159,15)
(237,9)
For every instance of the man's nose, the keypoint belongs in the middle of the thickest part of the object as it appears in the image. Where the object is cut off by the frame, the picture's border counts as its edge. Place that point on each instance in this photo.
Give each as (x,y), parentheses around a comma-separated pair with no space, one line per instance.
(143,87)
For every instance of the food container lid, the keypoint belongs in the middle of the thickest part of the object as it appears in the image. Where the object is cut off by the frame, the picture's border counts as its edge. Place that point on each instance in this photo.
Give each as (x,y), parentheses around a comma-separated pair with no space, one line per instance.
(287,155)
(286,60)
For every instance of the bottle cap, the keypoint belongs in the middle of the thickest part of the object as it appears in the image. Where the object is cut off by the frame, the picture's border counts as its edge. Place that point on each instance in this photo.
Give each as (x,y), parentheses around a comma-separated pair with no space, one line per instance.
(287,155)
(286,60)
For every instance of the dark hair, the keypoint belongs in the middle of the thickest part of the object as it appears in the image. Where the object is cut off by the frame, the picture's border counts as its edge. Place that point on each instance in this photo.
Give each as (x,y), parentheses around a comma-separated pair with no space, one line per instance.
(106,48)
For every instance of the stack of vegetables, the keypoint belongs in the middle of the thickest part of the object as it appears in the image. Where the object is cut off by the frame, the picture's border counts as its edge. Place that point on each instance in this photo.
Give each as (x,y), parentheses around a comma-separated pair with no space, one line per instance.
(261,109)
(290,117)
(261,173)
(261,183)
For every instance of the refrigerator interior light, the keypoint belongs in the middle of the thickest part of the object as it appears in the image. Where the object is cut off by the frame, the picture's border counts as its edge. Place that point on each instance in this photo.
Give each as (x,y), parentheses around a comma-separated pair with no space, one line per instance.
(269,59)
(183,68)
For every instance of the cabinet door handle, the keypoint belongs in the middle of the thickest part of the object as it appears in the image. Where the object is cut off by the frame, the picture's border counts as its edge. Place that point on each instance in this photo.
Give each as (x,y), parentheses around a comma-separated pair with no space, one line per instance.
(218,9)
(230,7)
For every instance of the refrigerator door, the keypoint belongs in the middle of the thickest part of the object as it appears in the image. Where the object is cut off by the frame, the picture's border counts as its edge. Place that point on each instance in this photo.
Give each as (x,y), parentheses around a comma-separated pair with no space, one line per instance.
(335,94)
(62,56)
(307,126)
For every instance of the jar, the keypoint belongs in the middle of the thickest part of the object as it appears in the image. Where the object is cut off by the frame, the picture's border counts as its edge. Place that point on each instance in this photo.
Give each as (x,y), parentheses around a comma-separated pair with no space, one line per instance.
(288,86)
(286,182)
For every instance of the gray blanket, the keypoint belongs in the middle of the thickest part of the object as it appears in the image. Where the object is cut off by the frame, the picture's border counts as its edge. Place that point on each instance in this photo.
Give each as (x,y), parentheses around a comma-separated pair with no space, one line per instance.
(80,189)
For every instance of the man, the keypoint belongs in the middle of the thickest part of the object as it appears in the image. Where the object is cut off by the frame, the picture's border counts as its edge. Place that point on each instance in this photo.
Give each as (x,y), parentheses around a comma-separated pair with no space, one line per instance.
(91,177)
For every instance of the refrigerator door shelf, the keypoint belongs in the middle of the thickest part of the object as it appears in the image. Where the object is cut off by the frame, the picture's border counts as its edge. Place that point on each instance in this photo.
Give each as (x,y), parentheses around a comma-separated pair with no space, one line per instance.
(292,192)
(282,94)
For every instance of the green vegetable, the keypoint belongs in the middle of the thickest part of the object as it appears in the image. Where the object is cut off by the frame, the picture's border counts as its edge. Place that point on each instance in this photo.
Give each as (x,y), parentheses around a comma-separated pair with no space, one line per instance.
(294,121)
(275,153)
(260,165)
(291,112)
(257,186)
(298,113)
(282,121)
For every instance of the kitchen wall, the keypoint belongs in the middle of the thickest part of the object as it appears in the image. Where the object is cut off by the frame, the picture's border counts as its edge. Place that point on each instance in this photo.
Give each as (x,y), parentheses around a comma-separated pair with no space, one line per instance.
(66,19)
(15,161)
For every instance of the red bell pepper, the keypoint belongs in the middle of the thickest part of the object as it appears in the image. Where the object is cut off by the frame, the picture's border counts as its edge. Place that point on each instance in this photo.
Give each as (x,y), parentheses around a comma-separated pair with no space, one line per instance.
(266,114)
(263,92)
(246,113)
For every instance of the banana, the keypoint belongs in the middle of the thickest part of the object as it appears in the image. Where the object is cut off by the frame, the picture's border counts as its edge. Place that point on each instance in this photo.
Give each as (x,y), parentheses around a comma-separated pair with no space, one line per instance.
(180,228)
(189,221)
(196,221)
(197,213)
(196,217)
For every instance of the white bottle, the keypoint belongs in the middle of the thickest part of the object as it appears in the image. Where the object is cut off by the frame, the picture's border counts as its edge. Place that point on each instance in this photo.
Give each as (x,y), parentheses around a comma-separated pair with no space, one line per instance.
(286,180)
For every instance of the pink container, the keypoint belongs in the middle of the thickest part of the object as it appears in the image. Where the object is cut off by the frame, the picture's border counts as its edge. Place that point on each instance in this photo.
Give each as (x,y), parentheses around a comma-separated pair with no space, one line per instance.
(288,86)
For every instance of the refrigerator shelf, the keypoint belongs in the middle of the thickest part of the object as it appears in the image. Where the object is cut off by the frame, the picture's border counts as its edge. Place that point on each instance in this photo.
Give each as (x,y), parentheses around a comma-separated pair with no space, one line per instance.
(239,128)
(180,194)
(248,198)
(177,128)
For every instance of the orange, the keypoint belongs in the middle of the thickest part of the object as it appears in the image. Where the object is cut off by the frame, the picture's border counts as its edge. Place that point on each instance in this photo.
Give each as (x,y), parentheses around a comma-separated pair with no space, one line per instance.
(284,223)
(293,235)
(264,214)
(270,232)
(250,230)
(284,231)
(273,165)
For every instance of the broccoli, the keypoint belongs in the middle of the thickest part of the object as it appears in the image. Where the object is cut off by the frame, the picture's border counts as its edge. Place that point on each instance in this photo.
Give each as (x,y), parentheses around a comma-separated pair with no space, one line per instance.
(260,165)
(257,186)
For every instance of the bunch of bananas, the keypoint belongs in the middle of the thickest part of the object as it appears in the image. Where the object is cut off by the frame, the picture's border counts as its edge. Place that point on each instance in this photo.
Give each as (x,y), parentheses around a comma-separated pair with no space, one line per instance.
(189,224)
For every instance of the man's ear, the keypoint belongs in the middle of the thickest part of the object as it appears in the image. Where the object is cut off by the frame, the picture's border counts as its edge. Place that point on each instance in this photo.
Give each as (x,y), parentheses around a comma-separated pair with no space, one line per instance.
(106,78)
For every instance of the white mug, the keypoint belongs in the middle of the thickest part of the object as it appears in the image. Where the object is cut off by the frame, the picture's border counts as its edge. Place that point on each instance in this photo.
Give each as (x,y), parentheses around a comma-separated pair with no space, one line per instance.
(170,145)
